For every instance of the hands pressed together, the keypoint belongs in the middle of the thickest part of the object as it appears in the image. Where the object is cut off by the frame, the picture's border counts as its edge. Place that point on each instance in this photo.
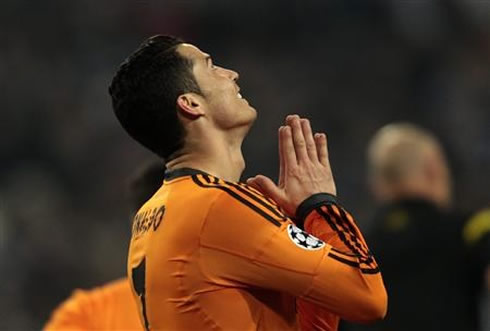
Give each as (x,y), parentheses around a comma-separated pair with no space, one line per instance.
(304,167)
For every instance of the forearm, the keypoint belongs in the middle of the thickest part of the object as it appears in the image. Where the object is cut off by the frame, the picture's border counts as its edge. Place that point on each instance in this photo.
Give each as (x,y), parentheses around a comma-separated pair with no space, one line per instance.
(323,217)
(361,293)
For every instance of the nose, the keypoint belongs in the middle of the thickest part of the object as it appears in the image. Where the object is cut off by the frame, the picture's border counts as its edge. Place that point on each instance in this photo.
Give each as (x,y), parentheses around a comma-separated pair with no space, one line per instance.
(233,75)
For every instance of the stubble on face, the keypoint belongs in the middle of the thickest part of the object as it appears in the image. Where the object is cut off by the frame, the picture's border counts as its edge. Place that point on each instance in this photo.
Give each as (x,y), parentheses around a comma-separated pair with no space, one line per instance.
(221,94)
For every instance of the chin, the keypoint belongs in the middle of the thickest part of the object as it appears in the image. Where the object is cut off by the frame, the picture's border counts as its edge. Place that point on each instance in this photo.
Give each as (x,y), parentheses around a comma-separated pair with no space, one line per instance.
(247,119)
(254,111)
(253,114)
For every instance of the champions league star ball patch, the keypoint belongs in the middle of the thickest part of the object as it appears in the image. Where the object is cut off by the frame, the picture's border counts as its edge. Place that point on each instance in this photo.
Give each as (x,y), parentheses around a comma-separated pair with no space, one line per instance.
(304,239)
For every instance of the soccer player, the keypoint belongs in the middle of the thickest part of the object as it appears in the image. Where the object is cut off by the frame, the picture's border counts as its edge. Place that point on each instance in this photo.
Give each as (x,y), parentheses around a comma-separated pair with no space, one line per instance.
(210,252)
(433,258)
(110,306)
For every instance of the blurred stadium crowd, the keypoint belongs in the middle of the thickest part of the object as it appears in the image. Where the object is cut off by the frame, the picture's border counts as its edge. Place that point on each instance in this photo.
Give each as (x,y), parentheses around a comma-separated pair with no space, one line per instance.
(351,66)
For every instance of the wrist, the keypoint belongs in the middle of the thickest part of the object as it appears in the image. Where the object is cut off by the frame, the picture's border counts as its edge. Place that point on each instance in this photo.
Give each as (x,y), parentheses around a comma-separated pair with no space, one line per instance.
(311,203)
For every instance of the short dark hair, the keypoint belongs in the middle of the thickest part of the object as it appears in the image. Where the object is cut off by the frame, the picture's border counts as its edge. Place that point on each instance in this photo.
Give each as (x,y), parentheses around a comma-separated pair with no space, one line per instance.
(144,94)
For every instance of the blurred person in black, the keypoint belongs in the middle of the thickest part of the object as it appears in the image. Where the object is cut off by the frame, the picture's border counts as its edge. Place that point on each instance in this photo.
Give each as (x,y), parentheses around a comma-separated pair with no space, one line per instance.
(109,306)
(434,259)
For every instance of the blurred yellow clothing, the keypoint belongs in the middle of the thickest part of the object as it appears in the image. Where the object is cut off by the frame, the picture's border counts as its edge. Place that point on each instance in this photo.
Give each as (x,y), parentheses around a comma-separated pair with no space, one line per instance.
(108,307)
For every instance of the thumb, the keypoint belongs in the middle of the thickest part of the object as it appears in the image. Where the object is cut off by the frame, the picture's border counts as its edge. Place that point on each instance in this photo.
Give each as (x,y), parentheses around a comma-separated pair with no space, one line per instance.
(253,183)
(266,186)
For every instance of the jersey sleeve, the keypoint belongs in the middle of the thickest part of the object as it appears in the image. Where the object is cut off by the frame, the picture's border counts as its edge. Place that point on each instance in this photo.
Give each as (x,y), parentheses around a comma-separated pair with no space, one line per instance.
(246,241)
(332,224)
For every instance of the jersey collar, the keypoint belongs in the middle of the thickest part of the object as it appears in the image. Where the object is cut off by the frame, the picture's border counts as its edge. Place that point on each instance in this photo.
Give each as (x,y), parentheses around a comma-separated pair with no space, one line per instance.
(182,172)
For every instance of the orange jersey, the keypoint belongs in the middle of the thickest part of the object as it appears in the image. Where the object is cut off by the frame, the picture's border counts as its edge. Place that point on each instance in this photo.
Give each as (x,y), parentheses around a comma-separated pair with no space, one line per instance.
(210,254)
(345,237)
(109,307)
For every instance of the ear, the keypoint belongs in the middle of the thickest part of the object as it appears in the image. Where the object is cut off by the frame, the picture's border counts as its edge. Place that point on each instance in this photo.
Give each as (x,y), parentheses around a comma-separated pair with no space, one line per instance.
(190,105)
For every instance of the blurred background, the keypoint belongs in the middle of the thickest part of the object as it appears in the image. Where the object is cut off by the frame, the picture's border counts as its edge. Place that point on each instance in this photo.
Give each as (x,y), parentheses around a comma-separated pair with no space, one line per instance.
(350,66)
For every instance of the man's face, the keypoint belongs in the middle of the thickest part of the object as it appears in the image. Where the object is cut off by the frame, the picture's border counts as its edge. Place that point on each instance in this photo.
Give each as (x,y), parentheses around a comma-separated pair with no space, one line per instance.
(222,101)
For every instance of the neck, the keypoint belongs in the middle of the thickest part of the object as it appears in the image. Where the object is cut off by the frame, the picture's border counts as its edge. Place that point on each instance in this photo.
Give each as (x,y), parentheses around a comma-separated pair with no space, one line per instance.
(217,155)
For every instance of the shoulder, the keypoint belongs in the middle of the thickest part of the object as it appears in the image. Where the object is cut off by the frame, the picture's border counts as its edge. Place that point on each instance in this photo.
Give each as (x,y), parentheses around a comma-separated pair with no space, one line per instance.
(111,291)
(75,312)
(476,227)
(116,289)
(236,199)
(100,295)
(109,306)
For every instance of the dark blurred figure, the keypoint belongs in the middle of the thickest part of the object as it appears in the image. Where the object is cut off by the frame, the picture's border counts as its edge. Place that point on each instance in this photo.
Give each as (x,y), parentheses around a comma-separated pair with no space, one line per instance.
(433,259)
(144,184)
(110,306)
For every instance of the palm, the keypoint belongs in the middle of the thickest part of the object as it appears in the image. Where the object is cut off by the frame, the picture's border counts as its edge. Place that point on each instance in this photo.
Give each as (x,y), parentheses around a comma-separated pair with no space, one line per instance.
(304,167)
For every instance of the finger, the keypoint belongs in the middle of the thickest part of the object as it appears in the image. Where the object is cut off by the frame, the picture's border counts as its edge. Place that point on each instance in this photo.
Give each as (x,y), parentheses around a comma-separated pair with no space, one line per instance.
(287,147)
(267,187)
(310,141)
(281,160)
(289,118)
(321,147)
(298,139)
(253,183)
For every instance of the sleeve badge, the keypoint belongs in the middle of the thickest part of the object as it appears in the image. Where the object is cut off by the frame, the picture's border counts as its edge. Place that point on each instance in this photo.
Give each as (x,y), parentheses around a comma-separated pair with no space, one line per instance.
(303,239)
